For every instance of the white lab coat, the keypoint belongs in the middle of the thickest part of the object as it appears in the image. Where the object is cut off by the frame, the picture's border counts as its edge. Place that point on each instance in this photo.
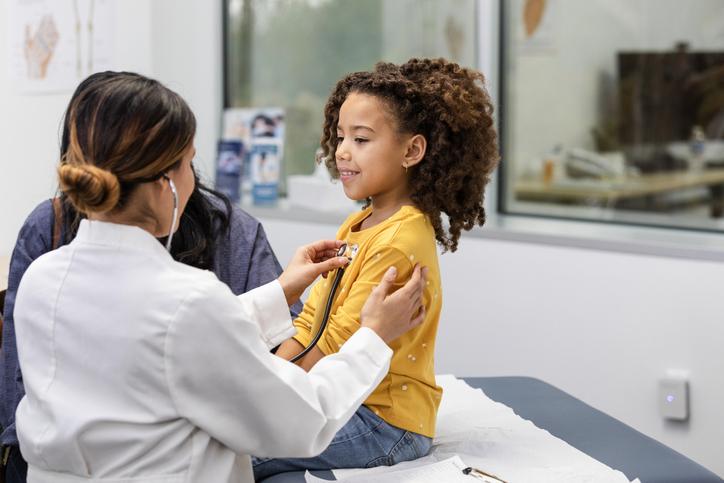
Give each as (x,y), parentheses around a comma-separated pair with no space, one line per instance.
(139,368)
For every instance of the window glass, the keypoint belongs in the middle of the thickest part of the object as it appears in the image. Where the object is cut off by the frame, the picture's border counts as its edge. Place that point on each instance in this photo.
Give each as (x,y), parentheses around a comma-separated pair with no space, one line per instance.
(614,110)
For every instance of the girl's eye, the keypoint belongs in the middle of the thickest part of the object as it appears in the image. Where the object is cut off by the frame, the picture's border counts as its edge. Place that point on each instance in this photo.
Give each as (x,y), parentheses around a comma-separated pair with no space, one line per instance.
(339,139)
(360,140)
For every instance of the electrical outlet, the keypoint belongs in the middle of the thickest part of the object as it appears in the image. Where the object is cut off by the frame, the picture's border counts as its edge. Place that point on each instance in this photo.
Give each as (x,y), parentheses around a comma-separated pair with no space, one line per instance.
(674,396)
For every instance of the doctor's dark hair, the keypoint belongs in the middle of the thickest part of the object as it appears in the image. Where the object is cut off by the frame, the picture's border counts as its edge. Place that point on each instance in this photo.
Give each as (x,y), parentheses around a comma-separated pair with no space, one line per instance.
(449,106)
(124,130)
(88,186)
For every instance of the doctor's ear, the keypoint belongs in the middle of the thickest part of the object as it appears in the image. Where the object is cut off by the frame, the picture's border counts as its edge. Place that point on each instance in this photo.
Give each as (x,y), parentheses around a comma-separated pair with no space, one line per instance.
(164,180)
(415,152)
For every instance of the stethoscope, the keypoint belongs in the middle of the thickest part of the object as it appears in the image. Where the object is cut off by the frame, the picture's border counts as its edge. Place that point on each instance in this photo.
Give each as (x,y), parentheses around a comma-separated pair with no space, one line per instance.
(175,211)
(330,299)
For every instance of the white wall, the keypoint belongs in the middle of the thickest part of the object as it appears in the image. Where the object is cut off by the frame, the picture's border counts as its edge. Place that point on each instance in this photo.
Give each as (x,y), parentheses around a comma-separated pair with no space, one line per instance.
(181,49)
(30,124)
(601,326)
(186,53)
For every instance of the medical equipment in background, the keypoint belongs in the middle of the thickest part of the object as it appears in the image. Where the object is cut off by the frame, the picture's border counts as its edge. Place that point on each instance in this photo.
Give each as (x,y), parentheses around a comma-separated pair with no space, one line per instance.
(330,299)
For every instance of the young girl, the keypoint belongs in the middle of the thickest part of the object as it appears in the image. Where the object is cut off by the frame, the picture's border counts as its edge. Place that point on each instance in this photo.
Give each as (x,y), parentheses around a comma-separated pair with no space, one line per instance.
(414,140)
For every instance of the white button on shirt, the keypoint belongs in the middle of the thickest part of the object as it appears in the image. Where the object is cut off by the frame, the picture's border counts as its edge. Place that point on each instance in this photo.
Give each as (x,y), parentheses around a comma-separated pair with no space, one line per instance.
(140,368)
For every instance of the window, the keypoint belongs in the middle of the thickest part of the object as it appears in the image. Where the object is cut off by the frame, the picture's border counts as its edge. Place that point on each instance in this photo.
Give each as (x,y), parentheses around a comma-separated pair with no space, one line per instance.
(290,53)
(613,110)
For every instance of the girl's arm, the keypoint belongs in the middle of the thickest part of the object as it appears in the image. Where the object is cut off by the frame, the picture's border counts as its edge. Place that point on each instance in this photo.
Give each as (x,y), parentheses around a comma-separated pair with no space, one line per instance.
(311,359)
(345,320)
(289,349)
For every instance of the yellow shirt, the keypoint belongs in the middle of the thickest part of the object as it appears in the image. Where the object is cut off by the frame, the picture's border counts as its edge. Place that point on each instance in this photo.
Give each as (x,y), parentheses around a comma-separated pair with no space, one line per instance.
(408,396)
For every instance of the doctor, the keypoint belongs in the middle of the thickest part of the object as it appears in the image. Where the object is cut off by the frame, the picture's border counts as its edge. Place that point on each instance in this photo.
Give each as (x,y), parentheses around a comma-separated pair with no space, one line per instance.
(139,368)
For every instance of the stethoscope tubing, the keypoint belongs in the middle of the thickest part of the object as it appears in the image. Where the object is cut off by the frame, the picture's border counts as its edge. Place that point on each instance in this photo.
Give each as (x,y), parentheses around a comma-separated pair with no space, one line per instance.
(325,317)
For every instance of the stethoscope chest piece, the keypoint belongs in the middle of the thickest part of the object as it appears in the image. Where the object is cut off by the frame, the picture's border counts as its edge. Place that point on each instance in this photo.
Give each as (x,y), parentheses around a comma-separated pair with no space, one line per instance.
(352,249)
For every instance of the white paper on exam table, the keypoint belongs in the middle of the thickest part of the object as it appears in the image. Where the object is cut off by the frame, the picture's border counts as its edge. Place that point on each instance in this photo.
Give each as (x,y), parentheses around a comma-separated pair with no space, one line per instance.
(448,471)
(490,436)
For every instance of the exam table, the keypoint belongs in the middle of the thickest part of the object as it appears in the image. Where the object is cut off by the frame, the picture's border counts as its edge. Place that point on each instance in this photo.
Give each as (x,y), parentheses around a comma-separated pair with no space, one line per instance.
(600,436)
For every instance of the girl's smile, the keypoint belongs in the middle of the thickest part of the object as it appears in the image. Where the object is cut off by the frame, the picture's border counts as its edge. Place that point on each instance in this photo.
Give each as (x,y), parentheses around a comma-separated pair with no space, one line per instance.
(346,175)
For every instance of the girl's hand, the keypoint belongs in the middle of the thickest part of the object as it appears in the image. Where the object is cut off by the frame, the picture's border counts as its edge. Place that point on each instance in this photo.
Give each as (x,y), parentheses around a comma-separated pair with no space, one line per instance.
(308,263)
(390,316)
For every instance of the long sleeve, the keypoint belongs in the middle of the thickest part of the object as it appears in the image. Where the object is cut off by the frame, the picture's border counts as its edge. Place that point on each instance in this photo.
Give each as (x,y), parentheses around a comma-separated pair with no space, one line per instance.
(267,306)
(33,241)
(222,378)
(344,320)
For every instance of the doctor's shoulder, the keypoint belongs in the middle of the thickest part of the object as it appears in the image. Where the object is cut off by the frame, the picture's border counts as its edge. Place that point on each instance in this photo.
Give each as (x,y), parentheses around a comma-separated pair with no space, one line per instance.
(43,273)
(198,293)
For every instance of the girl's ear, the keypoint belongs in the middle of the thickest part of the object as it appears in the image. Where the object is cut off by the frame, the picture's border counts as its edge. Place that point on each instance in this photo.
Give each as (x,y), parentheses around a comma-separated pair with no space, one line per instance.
(416,148)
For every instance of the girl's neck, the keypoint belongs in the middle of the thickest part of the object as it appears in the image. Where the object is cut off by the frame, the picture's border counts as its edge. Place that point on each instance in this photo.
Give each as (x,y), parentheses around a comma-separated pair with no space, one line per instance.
(383,209)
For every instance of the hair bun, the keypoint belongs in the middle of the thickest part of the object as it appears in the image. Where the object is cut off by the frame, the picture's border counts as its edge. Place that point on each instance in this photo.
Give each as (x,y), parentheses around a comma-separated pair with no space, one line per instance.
(90,188)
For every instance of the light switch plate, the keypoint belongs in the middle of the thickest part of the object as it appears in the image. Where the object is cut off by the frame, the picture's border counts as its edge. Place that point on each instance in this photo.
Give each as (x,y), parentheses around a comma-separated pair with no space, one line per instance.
(674,397)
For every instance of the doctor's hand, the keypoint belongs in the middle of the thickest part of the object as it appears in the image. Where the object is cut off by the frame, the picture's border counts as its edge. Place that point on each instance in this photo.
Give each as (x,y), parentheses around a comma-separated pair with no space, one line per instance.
(308,263)
(390,316)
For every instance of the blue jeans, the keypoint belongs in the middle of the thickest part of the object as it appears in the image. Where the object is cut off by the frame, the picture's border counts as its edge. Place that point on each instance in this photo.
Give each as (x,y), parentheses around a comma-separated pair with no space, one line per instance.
(364,442)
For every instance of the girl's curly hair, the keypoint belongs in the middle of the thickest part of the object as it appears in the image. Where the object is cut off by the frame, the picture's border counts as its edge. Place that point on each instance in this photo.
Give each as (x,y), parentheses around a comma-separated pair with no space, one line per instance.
(450,107)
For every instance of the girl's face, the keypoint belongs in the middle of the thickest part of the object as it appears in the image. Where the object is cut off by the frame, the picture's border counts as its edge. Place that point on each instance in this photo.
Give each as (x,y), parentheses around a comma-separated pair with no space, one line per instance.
(370,152)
